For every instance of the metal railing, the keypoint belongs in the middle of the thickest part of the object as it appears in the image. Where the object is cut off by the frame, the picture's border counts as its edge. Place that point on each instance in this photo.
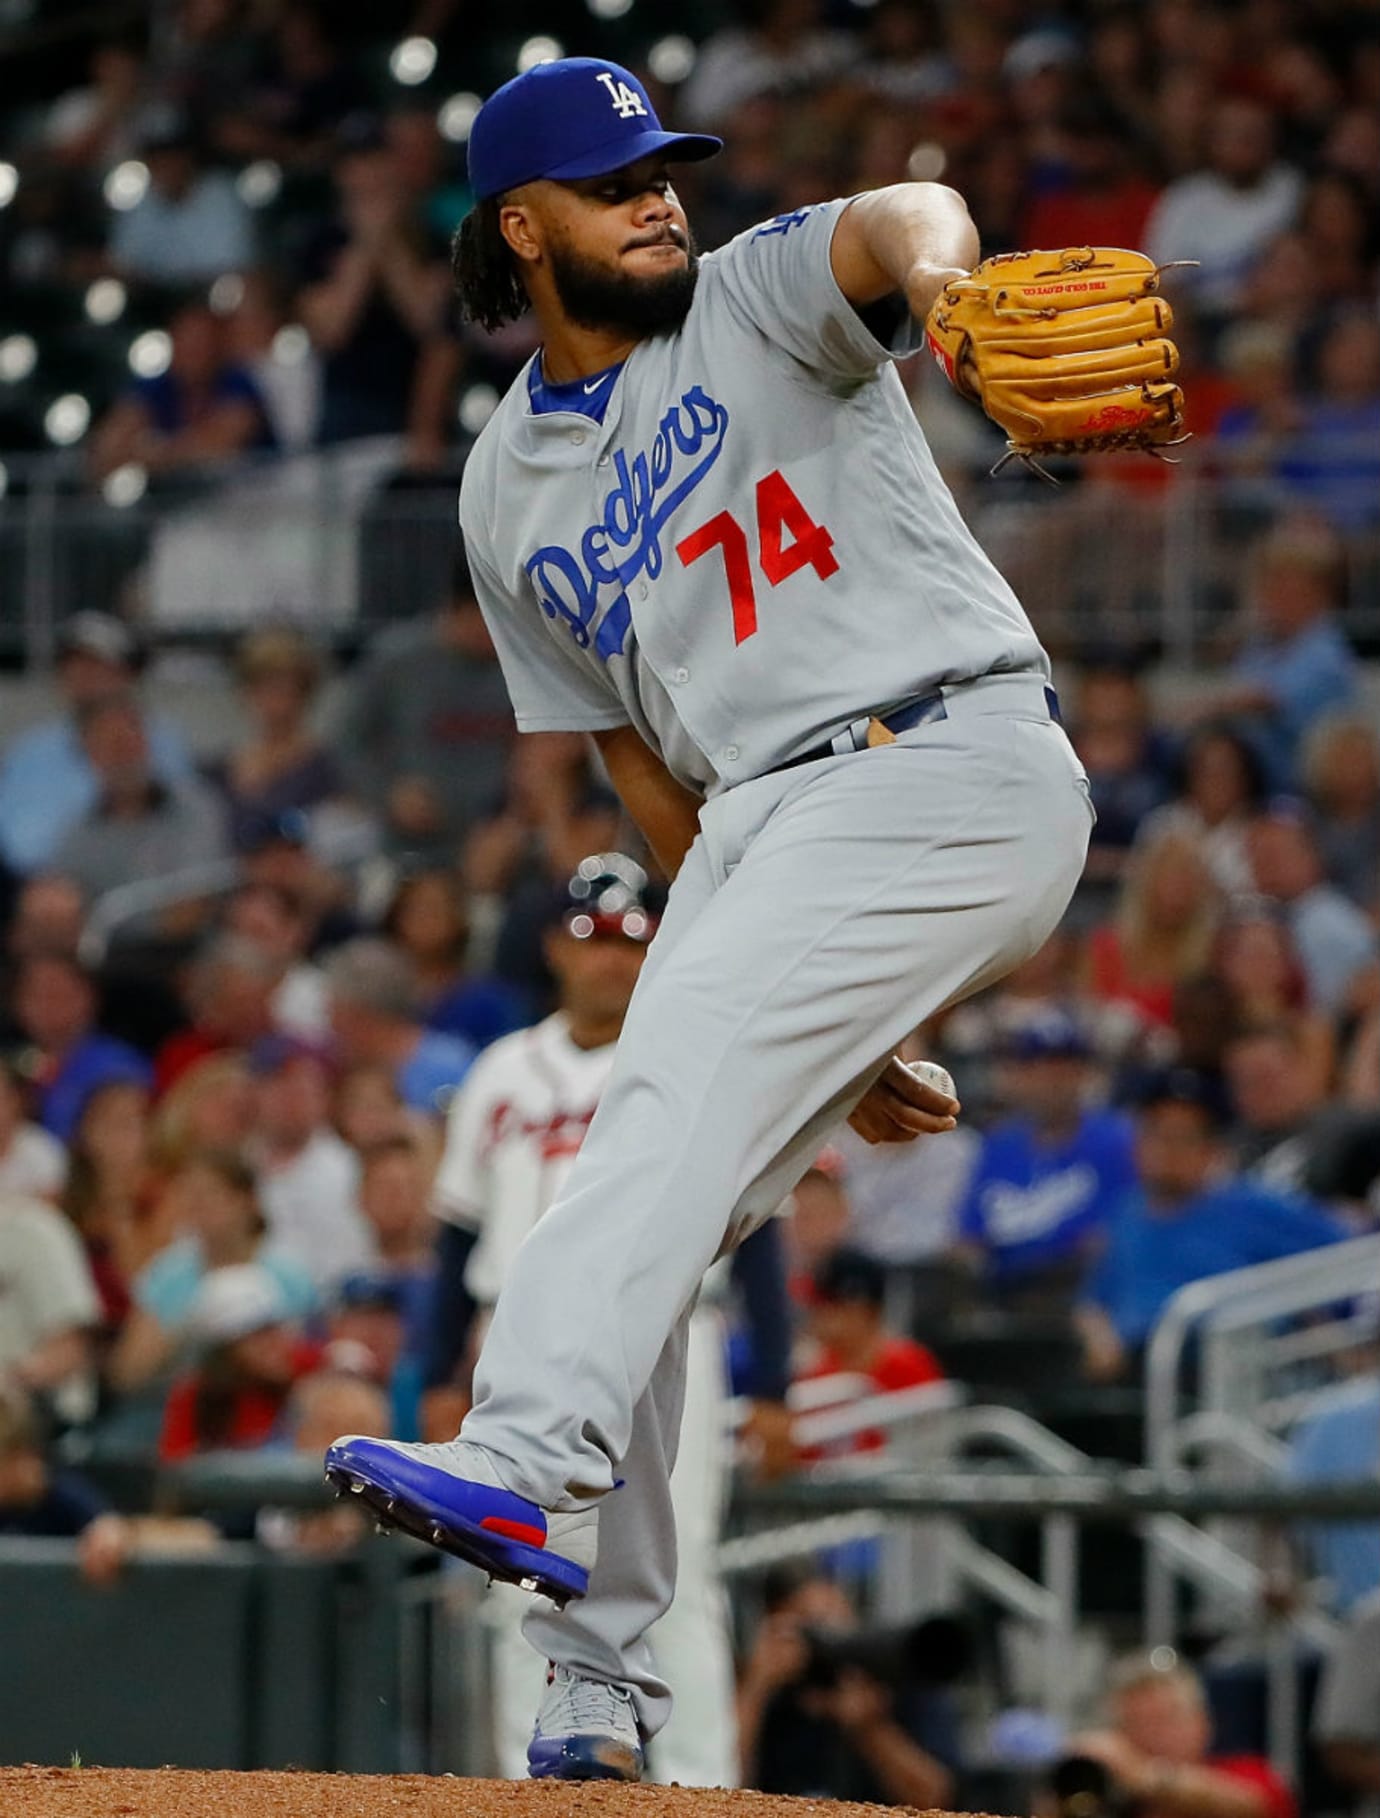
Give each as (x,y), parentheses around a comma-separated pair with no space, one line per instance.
(1060,1488)
(1237,1321)
(1257,1374)
(1169,1510)
(128,905)
(319,540)
(329,541)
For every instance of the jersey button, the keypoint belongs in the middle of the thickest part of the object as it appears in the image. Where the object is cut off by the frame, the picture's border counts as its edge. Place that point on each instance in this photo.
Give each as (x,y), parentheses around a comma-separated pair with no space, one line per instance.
(577,436)
(731,754)
(641,590)
(680,675)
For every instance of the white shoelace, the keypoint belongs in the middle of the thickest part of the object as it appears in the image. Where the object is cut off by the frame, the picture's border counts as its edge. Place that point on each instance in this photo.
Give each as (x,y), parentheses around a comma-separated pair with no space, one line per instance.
(587,1707)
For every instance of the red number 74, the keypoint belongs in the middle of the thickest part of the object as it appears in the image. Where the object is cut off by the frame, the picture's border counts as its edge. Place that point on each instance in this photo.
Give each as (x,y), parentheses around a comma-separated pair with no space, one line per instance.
(778,511)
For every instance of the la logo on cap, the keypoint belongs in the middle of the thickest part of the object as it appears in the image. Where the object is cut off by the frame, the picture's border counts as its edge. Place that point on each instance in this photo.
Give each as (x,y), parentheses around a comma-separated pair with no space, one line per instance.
(627,100)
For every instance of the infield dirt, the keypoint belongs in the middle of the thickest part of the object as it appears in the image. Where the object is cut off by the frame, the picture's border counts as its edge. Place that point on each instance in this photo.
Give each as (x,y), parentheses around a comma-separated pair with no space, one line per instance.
(94,1792)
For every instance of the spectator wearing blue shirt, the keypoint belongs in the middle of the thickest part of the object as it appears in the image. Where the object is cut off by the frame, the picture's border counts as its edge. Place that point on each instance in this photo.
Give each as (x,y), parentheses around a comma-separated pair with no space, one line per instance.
(202,408)
(1296,665)
(1339,1442)
(1188,1219)
(1332,462)
(375,1014)
(1047,1178)
(47,781)
(56,1007)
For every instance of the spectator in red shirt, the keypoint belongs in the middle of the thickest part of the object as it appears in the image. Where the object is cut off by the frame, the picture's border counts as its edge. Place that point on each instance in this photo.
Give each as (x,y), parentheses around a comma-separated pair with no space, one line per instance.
(252,1356)
(1100,198)
(849,1335)
(1158,1750)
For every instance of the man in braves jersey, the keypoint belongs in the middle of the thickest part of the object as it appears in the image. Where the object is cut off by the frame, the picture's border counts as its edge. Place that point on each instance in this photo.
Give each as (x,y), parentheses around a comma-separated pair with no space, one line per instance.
(705,528)
(513,1131)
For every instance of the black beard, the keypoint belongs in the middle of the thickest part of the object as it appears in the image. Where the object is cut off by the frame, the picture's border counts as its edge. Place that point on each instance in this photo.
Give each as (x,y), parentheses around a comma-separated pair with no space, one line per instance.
(594,297)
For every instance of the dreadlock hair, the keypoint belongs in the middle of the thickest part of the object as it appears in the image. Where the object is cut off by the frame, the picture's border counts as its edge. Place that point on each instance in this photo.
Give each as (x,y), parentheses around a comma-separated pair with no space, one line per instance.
(485,272)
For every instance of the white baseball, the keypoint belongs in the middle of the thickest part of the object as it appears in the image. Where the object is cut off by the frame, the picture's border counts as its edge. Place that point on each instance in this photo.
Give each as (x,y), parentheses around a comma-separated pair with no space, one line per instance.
(934,1075)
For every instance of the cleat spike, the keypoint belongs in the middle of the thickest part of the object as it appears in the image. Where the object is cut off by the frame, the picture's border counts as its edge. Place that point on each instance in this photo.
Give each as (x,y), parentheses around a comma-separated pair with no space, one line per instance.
(382,1527)
(356,1489)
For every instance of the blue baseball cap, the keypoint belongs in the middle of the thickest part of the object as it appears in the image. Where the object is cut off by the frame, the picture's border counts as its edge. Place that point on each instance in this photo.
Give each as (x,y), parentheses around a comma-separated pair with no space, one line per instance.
(1049,1033)
(578,117)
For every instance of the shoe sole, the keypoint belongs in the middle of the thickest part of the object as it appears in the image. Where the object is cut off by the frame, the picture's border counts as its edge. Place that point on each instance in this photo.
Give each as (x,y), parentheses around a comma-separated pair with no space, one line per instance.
(508,1561)
(583,1758)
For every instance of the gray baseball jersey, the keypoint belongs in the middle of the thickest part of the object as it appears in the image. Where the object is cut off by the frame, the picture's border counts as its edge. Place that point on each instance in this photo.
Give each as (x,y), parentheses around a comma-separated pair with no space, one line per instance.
(752,549)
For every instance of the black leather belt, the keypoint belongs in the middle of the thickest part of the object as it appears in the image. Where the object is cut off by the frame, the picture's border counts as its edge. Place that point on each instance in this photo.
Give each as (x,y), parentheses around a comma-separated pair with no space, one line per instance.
(910,714)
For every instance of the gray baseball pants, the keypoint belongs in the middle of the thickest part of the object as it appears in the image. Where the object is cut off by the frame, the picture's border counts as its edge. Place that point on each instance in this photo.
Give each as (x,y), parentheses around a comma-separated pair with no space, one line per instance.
(822,913)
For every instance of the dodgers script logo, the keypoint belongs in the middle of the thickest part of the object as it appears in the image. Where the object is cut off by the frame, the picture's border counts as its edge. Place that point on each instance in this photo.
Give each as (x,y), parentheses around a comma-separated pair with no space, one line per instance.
(626,539)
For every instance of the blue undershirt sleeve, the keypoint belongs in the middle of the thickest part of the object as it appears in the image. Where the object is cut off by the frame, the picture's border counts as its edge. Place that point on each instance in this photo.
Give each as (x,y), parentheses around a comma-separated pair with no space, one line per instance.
(452,1307)
(759,1274)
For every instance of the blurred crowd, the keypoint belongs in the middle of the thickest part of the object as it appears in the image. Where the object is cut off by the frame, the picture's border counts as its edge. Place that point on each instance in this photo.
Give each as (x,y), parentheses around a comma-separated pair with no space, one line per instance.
(227,233)
(232,1039)
(239,989)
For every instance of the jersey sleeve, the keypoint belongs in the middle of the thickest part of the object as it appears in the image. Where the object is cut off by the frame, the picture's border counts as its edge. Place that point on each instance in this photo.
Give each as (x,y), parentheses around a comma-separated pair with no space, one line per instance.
(552,688)
(460,1191)
(452,1309)
(464,1180)
(759,1274)
(779,277)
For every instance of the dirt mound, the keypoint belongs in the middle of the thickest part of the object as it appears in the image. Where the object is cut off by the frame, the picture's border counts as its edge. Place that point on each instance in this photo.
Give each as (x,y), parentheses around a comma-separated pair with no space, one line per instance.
(92,1792)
